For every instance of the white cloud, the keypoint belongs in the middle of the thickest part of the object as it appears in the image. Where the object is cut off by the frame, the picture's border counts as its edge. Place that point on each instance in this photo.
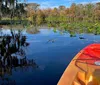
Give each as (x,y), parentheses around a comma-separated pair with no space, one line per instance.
(47,4)
(69,0)
(54,3)
(95,1)
(90,2)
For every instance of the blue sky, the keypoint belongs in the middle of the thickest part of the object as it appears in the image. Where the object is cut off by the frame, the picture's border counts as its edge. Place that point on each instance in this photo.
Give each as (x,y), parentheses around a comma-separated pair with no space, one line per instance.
(56,3)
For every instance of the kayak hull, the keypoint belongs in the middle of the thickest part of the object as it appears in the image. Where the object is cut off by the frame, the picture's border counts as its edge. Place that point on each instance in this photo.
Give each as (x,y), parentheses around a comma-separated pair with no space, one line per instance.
(83,68)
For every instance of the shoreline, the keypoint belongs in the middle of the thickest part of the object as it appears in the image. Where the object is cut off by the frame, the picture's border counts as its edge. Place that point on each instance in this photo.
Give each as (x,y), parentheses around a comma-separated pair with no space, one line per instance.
(21,27)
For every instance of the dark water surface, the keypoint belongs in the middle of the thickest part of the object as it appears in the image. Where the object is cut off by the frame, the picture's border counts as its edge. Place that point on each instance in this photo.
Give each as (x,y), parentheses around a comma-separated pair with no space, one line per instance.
(52,53)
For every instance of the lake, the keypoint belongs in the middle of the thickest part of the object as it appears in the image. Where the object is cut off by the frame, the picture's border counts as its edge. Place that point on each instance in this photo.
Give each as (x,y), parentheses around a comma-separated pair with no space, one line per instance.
(52,52)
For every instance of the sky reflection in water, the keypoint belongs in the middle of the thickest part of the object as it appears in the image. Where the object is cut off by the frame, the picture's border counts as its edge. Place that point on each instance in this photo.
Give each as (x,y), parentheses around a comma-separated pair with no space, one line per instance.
(52,52)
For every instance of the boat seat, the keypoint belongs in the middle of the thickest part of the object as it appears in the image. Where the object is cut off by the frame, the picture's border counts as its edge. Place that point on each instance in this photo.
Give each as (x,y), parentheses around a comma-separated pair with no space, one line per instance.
(80,79)
(76,83)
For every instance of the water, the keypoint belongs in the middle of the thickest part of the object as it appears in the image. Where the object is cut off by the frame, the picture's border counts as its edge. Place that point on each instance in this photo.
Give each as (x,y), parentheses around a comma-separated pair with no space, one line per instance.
(52,52)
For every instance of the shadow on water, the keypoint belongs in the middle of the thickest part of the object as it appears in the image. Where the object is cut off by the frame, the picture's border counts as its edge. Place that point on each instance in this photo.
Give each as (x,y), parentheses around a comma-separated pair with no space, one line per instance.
(12,56)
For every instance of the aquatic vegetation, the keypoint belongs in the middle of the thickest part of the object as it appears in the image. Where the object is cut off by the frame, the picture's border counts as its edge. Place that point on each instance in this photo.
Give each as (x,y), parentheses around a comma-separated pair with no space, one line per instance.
(13,55)
(54,30)
(72,34)
(12,49)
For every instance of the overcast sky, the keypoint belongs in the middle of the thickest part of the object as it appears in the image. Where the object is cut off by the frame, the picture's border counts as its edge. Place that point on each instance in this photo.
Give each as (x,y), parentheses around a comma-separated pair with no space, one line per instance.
(56,3)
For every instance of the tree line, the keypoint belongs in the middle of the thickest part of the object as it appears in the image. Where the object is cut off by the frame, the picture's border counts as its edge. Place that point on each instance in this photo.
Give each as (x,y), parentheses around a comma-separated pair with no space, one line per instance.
(84,16)
(75,13)
(78,17)
(11,8)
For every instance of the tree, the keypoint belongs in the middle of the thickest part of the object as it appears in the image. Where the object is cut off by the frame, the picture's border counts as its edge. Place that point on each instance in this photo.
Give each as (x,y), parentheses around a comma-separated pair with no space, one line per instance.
(40,17)
(97,12)
(72,11)
(62,7)
(89,8)
(0,9)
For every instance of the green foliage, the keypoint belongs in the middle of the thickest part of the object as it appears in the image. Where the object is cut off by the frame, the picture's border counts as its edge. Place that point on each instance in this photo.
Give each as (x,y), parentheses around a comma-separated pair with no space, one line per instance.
(54,30)
(77,18)
(49,25)
(72,34)
(63,26)
(39,20)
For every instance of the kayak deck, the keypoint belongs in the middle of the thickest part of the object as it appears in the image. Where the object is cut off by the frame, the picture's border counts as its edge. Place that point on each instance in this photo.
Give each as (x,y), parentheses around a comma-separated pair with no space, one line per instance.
(82,70)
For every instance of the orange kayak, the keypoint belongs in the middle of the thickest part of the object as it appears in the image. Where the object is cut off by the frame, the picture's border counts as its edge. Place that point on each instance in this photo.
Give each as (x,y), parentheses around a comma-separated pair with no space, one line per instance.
(84,69)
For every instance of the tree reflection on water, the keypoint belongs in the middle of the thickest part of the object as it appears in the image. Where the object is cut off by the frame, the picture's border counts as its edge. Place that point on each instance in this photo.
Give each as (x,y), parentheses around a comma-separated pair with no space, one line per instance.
(12,55)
